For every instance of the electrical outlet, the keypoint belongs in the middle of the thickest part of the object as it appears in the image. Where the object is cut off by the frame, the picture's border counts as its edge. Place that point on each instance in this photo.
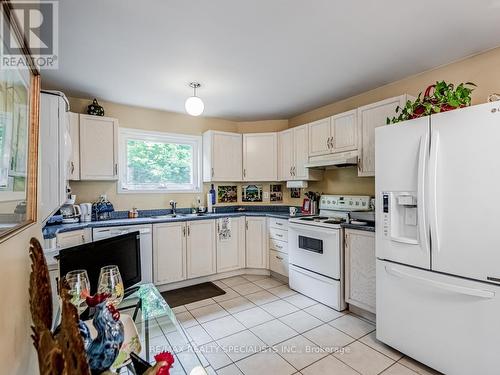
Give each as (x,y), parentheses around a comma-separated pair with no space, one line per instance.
(266,195)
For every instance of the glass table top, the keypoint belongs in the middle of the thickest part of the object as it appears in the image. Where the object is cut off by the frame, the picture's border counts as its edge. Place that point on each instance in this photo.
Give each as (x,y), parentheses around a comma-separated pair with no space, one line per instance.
(159,331)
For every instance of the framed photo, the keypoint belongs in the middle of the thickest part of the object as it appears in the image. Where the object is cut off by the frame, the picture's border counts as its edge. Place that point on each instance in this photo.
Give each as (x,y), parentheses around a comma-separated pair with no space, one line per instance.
(251,193)
(294,192)
(227,194)
(276,195)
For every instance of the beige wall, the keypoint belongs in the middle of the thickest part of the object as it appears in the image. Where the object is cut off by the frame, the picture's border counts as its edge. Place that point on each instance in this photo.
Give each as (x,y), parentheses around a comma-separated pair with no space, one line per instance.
(17,355)
(481,69)
(149,119)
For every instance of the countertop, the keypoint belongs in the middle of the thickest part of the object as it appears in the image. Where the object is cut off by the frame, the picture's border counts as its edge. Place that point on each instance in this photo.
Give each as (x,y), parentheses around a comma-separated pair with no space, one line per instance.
(370,227)
(50,231)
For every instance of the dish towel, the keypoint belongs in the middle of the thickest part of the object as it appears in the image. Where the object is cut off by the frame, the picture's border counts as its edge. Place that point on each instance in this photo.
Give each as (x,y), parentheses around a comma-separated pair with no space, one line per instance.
(224,229)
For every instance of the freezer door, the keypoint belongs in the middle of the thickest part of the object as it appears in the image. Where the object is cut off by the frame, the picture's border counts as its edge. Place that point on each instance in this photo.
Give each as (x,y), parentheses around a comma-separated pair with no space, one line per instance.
(464,178)
(401,157)
(448,323)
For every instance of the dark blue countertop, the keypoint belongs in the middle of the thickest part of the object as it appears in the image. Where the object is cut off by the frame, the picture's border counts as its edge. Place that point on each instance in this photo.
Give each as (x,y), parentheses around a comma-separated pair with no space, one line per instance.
(281,212)
(370,227)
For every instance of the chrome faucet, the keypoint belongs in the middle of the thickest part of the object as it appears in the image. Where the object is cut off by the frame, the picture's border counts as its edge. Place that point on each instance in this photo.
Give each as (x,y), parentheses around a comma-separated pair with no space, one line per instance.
(173,204)
(348,218)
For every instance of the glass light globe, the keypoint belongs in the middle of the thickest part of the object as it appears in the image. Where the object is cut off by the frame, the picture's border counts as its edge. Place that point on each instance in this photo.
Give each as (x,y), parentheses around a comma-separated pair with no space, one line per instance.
(194,106)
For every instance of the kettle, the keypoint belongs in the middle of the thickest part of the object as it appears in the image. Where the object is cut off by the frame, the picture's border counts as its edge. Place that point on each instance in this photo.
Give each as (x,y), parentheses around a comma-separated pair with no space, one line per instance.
(86,212)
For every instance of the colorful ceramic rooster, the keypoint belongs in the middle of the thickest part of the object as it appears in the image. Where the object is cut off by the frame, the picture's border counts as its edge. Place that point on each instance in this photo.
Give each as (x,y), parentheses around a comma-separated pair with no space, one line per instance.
(103,350)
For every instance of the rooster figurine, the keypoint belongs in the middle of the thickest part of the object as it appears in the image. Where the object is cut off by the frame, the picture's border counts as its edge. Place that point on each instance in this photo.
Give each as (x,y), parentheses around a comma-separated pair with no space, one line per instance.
(103,350)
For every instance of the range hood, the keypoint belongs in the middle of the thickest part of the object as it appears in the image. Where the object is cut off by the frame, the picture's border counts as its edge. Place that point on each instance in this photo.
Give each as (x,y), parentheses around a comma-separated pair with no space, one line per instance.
(339,160)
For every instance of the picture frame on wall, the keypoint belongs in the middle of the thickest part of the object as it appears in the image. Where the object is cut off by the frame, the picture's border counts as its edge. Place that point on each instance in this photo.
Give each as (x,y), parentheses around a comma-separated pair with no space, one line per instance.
(227,194)
(251,193)
(275,193)
(294,192)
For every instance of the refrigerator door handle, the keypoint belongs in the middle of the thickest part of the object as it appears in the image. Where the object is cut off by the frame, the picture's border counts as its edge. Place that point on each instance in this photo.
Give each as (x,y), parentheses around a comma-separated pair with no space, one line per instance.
(433,284)
(433,164)
(422,167)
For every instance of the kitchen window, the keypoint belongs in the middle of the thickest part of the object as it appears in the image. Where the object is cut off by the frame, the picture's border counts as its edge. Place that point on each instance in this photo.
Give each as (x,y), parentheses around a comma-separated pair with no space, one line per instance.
(155,162)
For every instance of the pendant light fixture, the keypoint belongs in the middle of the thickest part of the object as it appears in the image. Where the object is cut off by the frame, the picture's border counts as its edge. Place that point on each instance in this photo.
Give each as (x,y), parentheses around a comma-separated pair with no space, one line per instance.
(194,105)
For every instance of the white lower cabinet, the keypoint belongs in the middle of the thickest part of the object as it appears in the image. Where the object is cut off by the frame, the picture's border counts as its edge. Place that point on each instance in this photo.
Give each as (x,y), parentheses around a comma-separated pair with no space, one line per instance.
(257,250)
(360,269)
(231,251)
(278,246)
(169,252)
(201,252)
(278,262)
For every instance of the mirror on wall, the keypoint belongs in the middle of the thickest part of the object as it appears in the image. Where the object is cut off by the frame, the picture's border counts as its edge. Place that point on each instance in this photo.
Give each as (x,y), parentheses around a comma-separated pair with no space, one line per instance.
(19,98)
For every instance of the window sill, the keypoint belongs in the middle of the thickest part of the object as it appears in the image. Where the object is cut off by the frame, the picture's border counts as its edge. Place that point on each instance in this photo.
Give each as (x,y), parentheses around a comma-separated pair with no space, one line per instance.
(159,191)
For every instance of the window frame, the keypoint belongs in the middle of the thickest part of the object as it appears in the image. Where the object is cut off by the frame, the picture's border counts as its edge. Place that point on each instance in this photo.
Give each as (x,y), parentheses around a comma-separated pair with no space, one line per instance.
(195,141)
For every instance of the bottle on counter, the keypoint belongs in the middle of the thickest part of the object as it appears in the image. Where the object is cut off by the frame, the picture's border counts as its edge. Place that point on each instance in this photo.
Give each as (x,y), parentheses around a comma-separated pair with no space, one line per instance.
(212,191)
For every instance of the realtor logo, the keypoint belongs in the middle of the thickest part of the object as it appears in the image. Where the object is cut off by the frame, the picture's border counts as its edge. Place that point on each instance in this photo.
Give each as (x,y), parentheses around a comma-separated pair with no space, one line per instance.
(39,23)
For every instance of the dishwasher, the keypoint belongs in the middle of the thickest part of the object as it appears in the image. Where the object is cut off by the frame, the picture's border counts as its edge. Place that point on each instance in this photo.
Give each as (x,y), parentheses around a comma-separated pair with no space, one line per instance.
(146,242)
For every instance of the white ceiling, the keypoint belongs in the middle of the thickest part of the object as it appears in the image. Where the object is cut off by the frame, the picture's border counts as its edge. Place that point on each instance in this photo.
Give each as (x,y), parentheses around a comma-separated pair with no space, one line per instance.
(259,59)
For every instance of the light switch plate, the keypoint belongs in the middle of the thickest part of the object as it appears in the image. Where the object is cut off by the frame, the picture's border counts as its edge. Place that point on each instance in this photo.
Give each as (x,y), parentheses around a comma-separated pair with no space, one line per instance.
(266,195)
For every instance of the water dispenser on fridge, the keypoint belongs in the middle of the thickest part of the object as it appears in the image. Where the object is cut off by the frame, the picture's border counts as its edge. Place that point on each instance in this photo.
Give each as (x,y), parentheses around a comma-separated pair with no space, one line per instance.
(399,215)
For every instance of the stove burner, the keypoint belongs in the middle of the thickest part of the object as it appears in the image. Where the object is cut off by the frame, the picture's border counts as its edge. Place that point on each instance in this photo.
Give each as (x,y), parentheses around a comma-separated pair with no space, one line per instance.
(335,221)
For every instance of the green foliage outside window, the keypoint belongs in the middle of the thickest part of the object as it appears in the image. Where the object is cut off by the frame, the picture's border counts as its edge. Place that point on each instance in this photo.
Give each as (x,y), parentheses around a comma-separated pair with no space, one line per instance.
(157,163)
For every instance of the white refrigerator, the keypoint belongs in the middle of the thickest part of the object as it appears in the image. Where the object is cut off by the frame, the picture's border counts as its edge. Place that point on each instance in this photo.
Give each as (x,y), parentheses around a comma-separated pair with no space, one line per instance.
(438,239)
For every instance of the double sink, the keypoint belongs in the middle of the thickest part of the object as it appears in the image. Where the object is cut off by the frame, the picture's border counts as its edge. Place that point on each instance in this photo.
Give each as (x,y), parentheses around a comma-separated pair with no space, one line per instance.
(172,216)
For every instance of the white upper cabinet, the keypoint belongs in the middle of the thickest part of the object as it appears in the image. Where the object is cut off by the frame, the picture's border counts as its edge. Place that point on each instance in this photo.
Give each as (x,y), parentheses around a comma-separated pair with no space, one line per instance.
(231,249)
(222,156)
(260,157)
(319,137)
(344,133)
(286,155)
(301,155)
(54,154)
(74,133)
(294,154)
(370,117)
(201,251)
(98,148)
(333,134)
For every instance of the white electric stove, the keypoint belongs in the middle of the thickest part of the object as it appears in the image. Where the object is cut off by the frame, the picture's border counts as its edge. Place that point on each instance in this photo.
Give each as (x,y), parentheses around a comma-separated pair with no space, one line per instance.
(316,249)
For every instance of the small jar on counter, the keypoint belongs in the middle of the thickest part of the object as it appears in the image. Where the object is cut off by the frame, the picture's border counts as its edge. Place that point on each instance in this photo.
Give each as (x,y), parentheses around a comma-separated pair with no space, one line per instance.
(133,213)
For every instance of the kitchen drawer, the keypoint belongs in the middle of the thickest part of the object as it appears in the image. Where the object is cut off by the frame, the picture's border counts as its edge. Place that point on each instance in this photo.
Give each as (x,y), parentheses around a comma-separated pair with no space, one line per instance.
(73,238)
(278,245)
(278,262)
(278,223)
(278,234)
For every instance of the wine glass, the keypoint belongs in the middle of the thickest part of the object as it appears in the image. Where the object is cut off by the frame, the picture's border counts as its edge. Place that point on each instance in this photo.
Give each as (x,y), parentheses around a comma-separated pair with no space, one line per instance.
(79,288)
(110,282)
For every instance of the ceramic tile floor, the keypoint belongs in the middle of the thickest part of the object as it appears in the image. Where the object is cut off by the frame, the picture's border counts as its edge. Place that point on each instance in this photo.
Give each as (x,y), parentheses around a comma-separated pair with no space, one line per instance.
(260,326)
